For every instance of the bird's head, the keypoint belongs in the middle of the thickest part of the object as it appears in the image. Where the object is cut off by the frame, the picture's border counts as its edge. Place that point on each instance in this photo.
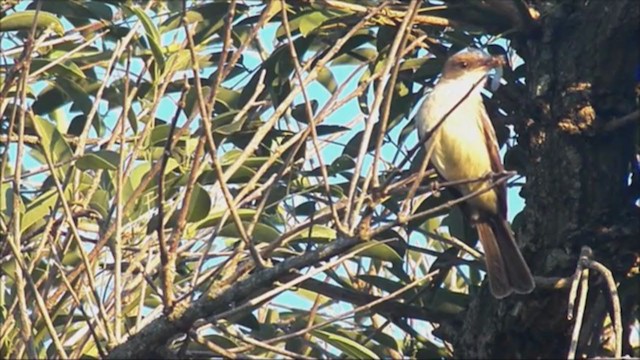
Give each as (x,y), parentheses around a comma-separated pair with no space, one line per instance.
(470,62)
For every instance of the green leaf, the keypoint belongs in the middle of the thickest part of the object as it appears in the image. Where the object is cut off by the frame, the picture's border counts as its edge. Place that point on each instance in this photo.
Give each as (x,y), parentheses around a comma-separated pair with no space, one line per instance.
(405,132)
(355,57)
(209,18)
(261,232)
(66,69)
(229,98)
(78,122)
(379,251)
(214,218)
(49,99)
(153,35)
(80,97)
(135,179)
(349,347)
(224,124)
(432,224)
(159,135)
(342,163)
(38,209)
(199,205)
(299,112)
(317,233)
(446,301)
(310,21)
(100,202)
(294,27)
(152,301)
(382,283)
(23,20)
(413,63)
(76,12)
(278,67)
(326,78)
(243,174)
(101,159)
(458,227)
(62,91)
(306,208)
(6,200)
(192,16)
(322,130)
(430,203)
(311,296)
(72,256)
(52,141)
(133,120)
(178,61)
(254,162)
(353,145)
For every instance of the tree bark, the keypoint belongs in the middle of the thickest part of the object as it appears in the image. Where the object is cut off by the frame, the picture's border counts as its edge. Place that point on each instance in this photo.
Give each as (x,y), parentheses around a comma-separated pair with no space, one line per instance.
(580,76)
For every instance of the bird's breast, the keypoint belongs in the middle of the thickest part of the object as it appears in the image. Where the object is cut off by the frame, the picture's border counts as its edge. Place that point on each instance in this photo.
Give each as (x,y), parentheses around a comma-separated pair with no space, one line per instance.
(459,145)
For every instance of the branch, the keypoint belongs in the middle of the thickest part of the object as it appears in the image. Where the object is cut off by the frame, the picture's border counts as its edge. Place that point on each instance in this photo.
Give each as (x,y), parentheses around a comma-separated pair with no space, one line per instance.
(388,14)
(390,309)
(185,314)
(581,277)
(622,121)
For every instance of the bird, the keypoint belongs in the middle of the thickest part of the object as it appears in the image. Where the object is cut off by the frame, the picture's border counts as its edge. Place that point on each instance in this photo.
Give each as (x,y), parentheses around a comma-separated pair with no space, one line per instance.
(453,122)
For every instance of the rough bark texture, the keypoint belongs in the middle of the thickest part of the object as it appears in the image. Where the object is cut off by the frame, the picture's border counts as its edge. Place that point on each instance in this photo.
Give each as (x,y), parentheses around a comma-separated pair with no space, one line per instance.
(580,76)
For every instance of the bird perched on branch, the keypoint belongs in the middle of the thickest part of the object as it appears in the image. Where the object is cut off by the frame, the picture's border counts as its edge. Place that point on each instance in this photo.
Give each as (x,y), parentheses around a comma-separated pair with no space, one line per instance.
(457,131)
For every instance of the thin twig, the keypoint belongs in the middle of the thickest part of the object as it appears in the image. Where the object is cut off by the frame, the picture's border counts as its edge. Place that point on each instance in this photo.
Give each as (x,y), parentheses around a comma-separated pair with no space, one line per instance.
(288,285)
(312,123)
(356,310)
(615,301)
(585,253)
(490,184)
(208,136)
(263,345)
(391,14)
(215,348)
(582,302)
(429,134)
(398,44)
(117,246)
(164,247)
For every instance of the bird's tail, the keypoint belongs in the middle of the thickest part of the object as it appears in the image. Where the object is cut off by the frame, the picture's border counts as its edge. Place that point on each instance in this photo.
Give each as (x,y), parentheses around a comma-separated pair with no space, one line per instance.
(507,270)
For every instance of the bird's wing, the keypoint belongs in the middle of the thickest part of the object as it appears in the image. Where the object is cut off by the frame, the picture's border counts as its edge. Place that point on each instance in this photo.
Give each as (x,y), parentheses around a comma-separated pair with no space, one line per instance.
(496,162)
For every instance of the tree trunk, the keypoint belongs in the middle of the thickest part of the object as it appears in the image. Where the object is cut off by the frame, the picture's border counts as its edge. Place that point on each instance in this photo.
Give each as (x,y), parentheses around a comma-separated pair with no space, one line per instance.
(580,77)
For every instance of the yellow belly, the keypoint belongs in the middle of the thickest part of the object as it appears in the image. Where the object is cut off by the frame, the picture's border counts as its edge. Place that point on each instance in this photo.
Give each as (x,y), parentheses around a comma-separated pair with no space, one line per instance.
(460,153)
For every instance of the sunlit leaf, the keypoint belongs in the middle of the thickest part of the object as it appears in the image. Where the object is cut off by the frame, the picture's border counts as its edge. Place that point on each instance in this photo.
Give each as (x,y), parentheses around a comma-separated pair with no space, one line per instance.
(310,21)
(153,35)
(23,20)
(52,141)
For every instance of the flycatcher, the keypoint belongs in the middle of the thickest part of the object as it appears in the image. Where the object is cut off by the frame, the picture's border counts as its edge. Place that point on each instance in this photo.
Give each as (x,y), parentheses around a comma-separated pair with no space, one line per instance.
(465,148)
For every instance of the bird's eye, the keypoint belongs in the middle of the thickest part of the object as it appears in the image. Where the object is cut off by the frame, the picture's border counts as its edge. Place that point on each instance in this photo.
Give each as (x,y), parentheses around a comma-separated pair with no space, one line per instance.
(464,64)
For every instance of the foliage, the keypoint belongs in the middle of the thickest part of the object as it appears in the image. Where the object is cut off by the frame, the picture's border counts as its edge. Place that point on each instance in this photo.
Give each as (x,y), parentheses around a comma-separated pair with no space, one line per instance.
(228,178)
